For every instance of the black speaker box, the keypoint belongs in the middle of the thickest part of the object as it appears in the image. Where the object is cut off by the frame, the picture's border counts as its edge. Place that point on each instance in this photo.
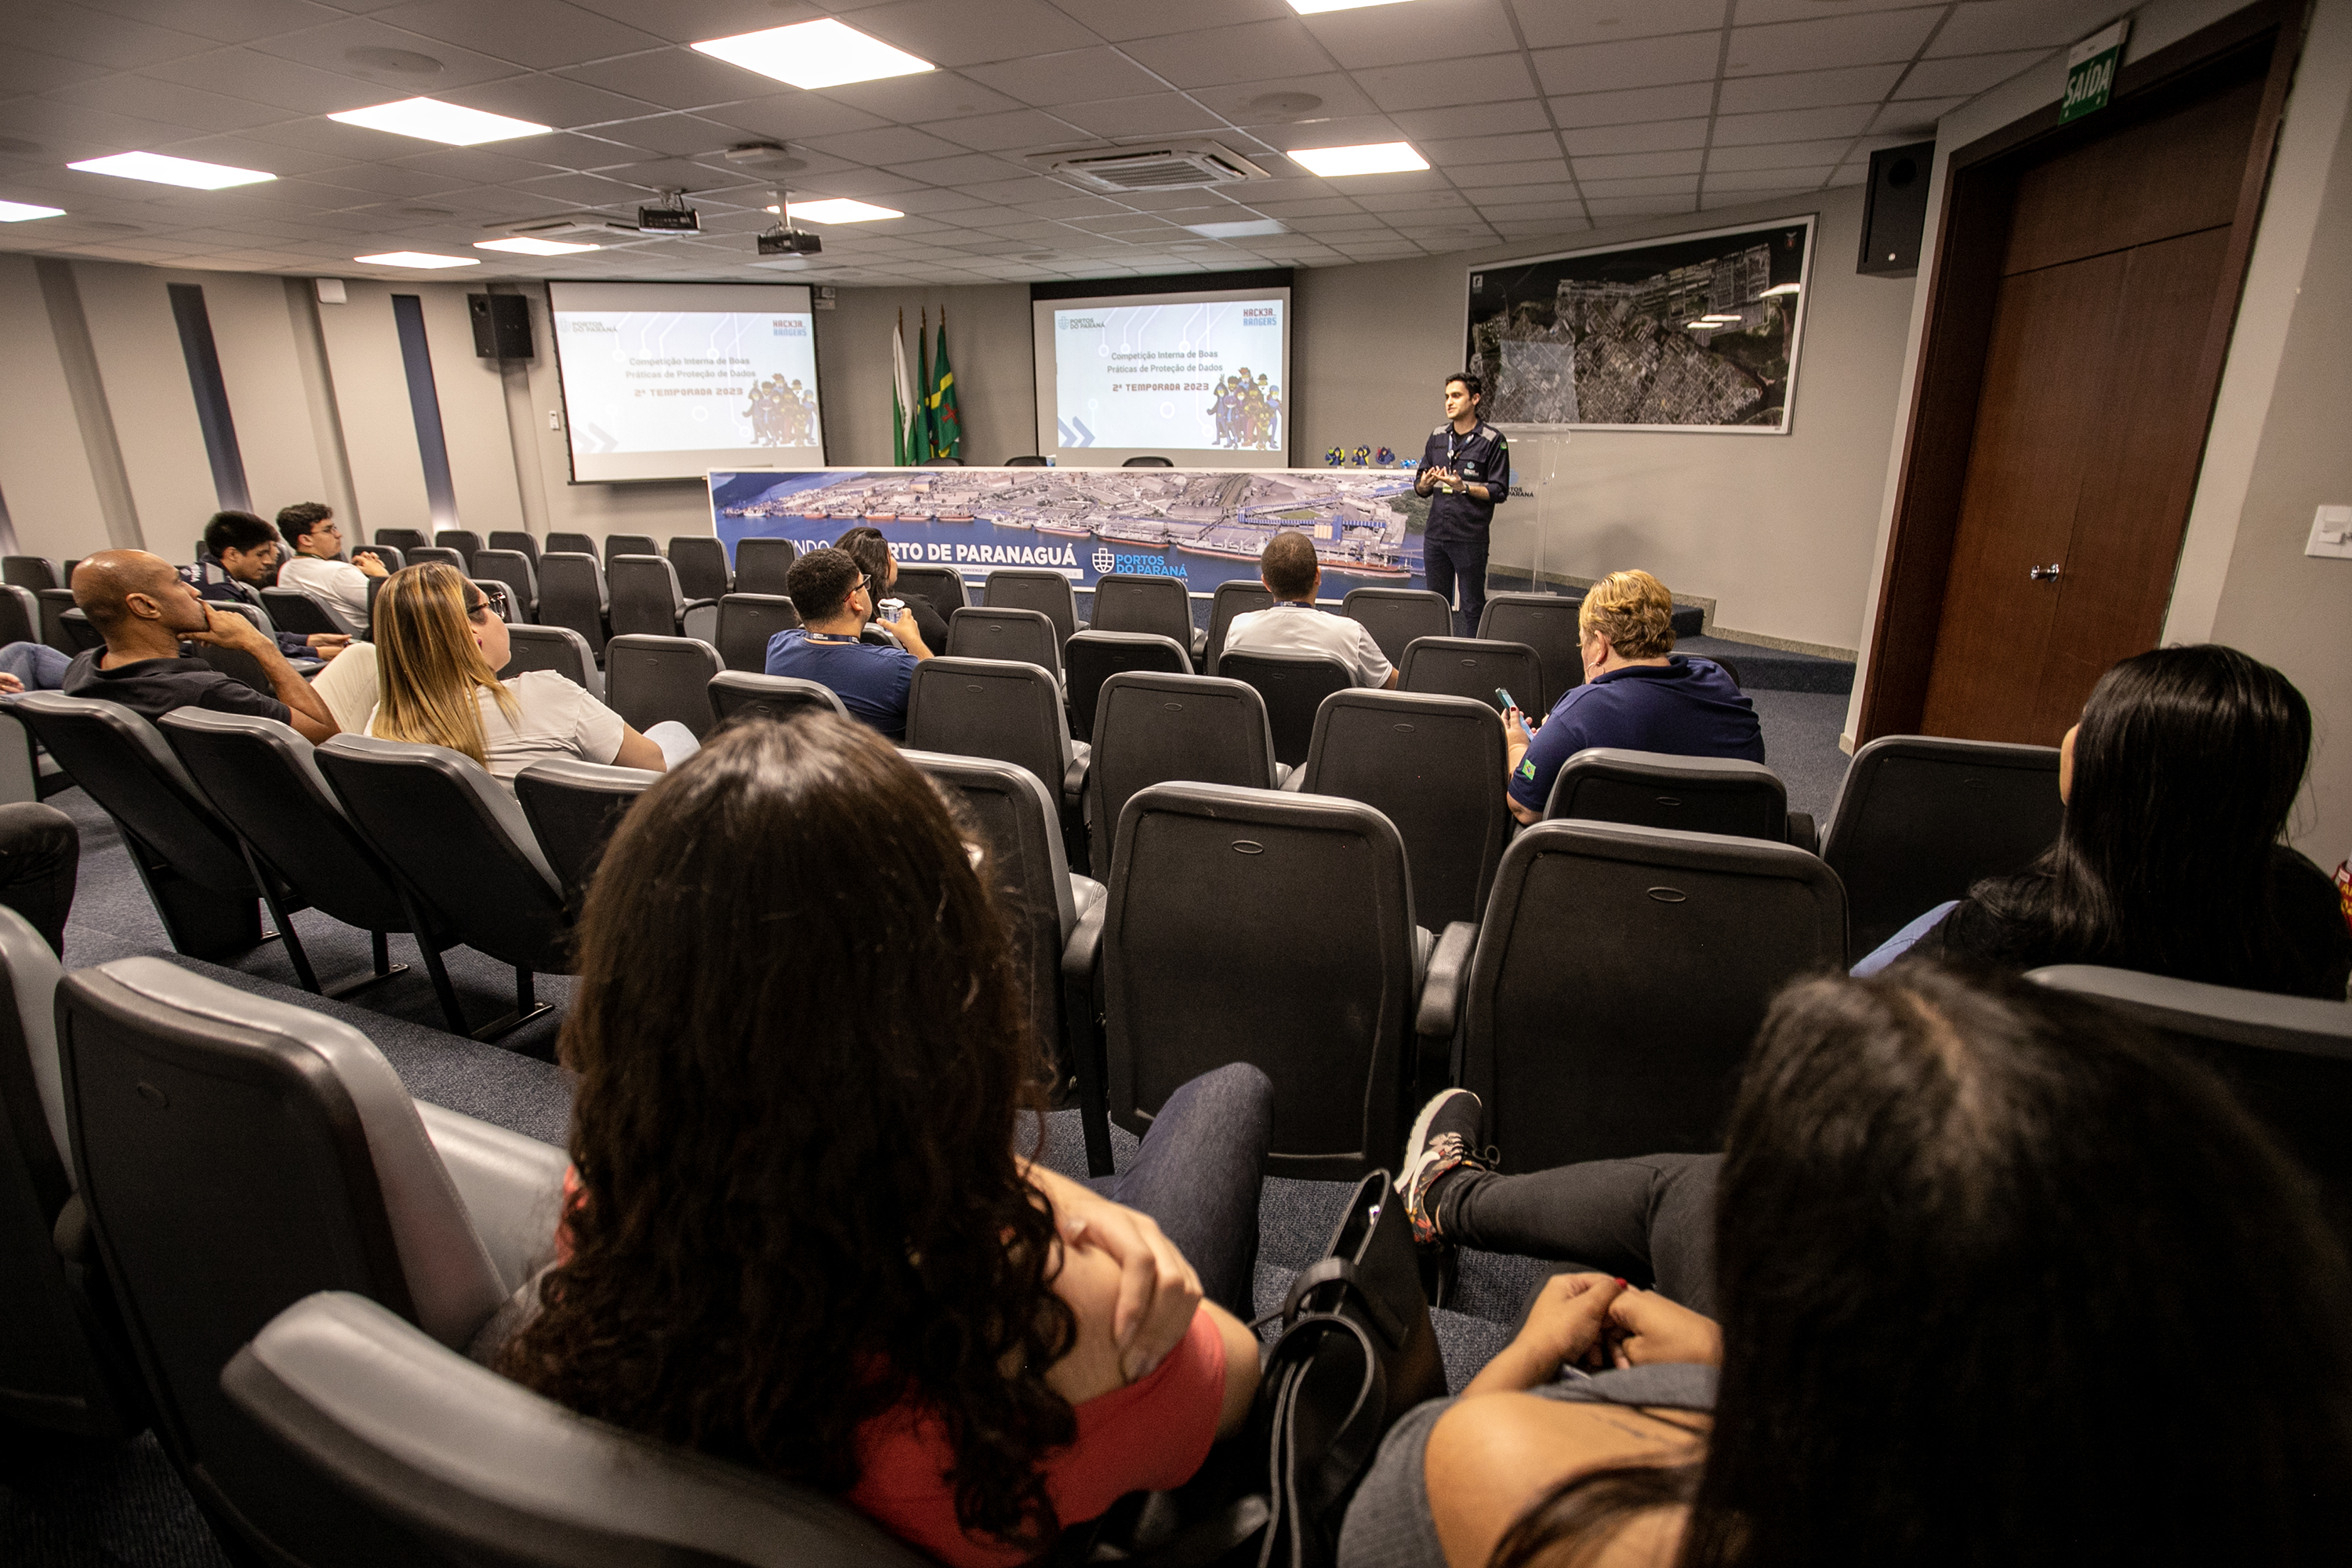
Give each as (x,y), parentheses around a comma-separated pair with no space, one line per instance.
(501,325)
(1894,212)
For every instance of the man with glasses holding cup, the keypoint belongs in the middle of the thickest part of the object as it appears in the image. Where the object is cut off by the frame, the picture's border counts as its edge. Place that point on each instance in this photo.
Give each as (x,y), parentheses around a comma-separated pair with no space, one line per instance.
(318,567)
(835,597)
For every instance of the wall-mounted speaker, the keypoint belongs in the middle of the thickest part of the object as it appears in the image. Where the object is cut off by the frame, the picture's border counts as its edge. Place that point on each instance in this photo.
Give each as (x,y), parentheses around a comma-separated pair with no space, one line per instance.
(501,325)
(1895,212)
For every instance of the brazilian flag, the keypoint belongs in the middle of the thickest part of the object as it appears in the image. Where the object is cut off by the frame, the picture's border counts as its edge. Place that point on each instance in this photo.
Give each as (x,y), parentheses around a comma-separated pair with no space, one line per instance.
(944,424)
(918,438)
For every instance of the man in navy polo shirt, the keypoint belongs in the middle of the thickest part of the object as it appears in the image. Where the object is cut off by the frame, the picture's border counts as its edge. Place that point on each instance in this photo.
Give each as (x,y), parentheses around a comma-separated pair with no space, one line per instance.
(836,599)
(1639,694)
(1465,472)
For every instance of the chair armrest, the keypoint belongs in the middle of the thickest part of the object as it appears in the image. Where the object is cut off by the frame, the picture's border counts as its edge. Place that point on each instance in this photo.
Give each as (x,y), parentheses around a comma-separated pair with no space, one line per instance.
(512,1187)
(1074,777)
(1284,773)
(1296,782)
(699,620)
(1440,993)
(1081,974)
(1803,834)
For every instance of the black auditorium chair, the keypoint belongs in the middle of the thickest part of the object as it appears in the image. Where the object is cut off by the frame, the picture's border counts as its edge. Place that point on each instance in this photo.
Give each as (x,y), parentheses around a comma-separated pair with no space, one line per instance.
(940,463)
(1012,712)
(392,557)
(572,807)
(1093,656)
(649,679)
(748,622)
(513,568)
(1198,959)
(1397,617)
(404,540)
(1239,597)
(299,614)
(189,859)
(1147,462)
(1027,460)
(20,615)
(65,1366)
(33,572)
(942,585)
(55,605)
(1158,606)
(516,540)
(1471,667)
(1695,795)
(1619,974)
(1154,729)
(264,780)
(1432,765)
(559,648)
(1546,623)
(702,562)
(27,772)
(1021,821)
(464,855)
(747,694)
(464,541)
(572,594)
(433,1446)
(617,545)
(647,602)
(500,596)
(441,553)
(569,543)
(761,564)
(237,1154)
(2287,1058)
(1293,686)
(1024,637)
(1920,819)
(79,633)
(1033,588)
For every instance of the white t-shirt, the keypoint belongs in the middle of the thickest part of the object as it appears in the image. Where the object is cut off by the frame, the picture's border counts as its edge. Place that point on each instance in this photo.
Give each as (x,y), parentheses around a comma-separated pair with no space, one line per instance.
(1302,628)
(558,719)
(338,583)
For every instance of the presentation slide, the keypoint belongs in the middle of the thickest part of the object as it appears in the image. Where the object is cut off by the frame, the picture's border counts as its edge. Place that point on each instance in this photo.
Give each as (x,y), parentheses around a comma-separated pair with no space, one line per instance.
(1200,379)
(667,381)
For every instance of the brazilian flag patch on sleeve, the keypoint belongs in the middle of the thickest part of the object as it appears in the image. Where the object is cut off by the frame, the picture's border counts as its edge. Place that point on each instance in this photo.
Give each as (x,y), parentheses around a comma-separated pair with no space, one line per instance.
(1528,769)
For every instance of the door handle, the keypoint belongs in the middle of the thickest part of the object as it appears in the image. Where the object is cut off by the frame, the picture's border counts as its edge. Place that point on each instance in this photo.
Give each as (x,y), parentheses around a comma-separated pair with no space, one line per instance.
(2043,573)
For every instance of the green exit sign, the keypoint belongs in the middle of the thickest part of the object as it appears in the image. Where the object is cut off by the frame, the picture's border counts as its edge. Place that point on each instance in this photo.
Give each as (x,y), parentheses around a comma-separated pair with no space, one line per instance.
(2090,72)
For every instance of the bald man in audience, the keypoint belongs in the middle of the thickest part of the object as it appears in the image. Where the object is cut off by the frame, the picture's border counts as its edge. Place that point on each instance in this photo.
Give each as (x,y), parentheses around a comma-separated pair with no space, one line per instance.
(140,605)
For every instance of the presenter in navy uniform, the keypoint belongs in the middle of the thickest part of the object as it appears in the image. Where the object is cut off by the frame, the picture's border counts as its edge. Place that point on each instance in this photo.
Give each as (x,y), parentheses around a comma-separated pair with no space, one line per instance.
(1465,470)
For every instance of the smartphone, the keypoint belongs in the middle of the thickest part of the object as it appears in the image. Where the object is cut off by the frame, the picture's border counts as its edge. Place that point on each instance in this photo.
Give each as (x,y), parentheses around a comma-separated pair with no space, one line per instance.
(1506,698)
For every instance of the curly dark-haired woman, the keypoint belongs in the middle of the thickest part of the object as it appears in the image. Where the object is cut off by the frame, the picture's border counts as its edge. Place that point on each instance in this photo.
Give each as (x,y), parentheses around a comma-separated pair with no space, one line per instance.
(802,1236)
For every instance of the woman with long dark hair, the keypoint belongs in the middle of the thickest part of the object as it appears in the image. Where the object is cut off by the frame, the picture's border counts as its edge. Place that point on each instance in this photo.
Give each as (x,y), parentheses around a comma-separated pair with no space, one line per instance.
(803,1237)
(2169,859)
(2001,1280)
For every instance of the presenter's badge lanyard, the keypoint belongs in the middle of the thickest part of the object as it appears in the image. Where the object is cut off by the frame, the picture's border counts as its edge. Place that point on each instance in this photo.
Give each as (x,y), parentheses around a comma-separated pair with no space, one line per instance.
(1461,479)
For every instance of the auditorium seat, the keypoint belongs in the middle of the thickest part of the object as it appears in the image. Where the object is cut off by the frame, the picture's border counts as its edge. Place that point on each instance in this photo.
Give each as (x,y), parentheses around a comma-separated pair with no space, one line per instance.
(1027,460)
(570,544)
(55,603)
(617,545)
(571,594)
(1398,617)
(65,1363)
(650,678)
(516,540)
(1012,712)
(500,596)
(33,572)
(748,622)
(20,615)
(702,562)
(1293,686)
(235,661)
(762,566)
(1154,729)
(1238,597)
(1920,819)
(237,1154)
(1205,953)
(1434,766)
(1470,667)
(1619,975)
(27,771)
(441,553)
(1159,607)
(647,602)
(559,648)
(942,585)
(747,694)
(404,540)
(1033,588)
(1094,656)
(1693,794)
(1546,623)
(572,807)
(1024,637)
(940,463)
(513,568)
(464,853)
(1147,462)
(80,634)
(430,1445)
(299,613)
(395,559)
(465,542)
(264,781)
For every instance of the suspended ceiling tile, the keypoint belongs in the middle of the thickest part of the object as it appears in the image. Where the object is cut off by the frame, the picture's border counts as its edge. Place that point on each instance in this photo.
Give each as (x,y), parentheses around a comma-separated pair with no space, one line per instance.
(1265,103)
(1677,102)
(541,34)
(1968,75)
(924,96)
(1767,179)
(170,102)
(1793,125)
(1526,171)
(551,101)
(31,70)
(1535,146)
(972,168)
(791,116)
(1981,28)
(971,32)
(675,79)
(890,144)
(1477,80)
(1913,116)
(1488,118)
(331,48)
(1425,30)
(473,165)
(1640,62)
(1865,39)
(1752,11)
(1651,136)
(1776,155)
(241,150)
(1621,166)
(1609,21)
(1253,51)
(1075,75)
(81,33)
(1808,90)
(224,21)
(1641,206)
(1001,132)
(674,135)
(1149,114)
(1643,185)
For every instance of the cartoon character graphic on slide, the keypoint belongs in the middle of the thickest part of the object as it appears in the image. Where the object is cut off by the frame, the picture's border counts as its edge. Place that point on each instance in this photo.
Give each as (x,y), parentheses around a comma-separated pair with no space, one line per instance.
(783,414)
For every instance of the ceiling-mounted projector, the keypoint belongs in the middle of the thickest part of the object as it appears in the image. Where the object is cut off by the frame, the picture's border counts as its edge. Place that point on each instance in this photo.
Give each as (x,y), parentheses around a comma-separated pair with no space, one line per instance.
(668,220)
(790,242)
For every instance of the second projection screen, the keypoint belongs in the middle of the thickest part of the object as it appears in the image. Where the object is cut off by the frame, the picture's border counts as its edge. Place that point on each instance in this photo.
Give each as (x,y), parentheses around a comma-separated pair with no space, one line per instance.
(1198,378)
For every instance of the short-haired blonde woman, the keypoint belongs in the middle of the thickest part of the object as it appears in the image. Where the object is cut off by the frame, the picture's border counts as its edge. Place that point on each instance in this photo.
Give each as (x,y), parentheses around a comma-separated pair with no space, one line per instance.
(1638,694)
(439,647)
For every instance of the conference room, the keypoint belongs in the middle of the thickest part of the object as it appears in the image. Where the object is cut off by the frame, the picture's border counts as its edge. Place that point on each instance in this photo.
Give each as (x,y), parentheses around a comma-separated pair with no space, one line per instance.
(1385,628)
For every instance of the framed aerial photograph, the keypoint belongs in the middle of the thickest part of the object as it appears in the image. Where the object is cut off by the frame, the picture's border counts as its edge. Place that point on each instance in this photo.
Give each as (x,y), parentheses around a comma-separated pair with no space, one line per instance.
(1692,331)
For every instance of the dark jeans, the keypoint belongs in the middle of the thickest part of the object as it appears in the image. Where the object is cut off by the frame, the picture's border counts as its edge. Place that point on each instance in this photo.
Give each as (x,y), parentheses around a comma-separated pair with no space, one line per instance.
(40,667)
(1651,1220)
(1443,560)
(40,855)
(1198,1176)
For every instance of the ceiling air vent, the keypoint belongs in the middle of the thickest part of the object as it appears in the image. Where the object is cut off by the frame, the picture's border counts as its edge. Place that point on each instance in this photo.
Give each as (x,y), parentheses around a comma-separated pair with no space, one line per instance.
(1175,166)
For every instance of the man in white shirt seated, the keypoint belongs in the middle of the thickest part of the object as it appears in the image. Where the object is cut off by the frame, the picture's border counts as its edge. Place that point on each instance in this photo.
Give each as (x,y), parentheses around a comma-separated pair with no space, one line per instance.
(317,566)
(1291,573)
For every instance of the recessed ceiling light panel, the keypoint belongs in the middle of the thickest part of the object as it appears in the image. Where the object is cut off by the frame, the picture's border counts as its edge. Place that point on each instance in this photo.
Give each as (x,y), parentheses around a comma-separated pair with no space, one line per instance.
(165,171)
(1317,7)
(22,212)
(430,121)
(841,210)
(815,54)
(523,244)
(1236,230)
(1373,158)
(418,259)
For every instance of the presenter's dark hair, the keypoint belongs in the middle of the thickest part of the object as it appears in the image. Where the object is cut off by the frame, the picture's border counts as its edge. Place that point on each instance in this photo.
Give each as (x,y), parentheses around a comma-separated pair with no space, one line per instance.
(1471,382)
(230,531)
(1288,565)
(819,583)
(802,1055)
(1950,1269)
(299,519)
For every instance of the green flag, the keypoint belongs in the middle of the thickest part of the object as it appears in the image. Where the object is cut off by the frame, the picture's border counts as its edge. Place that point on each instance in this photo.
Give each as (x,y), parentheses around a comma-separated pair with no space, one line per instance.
(946,425)
(919,437)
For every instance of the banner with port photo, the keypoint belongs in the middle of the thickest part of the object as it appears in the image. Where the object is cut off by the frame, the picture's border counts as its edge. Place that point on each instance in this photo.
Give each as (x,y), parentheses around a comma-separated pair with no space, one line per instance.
(1204,527)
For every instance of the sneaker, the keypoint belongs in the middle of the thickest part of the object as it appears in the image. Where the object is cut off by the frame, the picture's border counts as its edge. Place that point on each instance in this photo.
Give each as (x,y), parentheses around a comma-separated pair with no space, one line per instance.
(1444,1136)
